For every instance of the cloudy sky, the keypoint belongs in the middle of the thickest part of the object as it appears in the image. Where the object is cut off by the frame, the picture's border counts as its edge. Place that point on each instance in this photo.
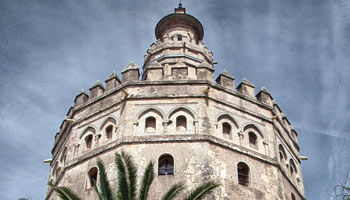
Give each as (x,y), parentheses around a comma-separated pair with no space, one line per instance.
(50,49)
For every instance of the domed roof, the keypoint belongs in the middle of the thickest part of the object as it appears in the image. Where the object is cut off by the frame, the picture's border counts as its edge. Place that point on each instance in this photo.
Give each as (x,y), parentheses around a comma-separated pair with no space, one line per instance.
(179,18)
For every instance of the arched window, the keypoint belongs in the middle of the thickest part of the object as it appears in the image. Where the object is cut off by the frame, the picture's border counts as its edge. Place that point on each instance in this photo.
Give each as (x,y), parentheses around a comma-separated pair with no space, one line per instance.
(58,172)
(226,130)
(243,174)
(54,169)
(293,197)
(92,175)
(166,165)
(252,140)
(63,160)
(64,156)
(150,125)
(293,168)
(109,132)
(88,141)
(282,153)
(181,123)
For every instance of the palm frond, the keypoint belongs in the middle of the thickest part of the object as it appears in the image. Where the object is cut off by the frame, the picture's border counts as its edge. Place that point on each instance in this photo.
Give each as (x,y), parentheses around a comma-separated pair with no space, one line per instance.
(99,192)
(201,191)
(173,191)
(64,193)
(146,181)
(127,176)
(104,190)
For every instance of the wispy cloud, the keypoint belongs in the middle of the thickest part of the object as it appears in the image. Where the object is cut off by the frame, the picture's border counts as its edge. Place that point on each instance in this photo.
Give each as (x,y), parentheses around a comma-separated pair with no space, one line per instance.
(49,50)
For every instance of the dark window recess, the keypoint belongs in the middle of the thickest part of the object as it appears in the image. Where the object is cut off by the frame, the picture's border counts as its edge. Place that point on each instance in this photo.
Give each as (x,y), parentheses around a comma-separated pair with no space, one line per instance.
(150,125)
(181,123)
(109,131)
(88,141)
(252,139)
(226,128)
(243,174)
(92,176)
(282,153)
(293,197)
(166,165)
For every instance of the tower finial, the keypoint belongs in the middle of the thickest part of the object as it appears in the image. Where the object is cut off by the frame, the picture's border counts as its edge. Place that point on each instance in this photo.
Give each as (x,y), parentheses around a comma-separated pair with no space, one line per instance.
(180,9)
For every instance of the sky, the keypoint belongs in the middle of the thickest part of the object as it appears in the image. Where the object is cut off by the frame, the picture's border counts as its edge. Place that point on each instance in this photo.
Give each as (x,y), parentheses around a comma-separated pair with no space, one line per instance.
(51,49)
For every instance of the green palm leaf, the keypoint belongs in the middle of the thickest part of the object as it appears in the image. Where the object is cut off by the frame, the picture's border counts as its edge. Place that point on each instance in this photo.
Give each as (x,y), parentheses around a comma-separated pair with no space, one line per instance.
(146,181)
(64,193)
(127,176)
(173,191)
(201,191)
(104,190)
(99,192)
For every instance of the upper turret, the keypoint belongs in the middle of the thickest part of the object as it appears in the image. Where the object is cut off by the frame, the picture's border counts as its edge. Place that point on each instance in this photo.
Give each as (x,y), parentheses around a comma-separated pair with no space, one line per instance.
(179,52)
(180,24)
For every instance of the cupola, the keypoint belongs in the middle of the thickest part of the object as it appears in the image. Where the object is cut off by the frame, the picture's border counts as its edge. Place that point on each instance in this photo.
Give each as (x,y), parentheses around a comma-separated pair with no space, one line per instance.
(178,52)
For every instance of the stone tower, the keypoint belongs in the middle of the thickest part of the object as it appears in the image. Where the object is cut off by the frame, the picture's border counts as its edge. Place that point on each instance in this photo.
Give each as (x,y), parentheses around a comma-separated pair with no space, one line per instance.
(193,128)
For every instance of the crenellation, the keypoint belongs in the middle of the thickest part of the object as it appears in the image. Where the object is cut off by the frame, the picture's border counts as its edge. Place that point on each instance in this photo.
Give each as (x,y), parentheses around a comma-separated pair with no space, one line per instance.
(265,96)
(96,90)
(287,124)
(277,110)
(294,134)
(246,88)
(130,73)
(56,136)
(226,80)
(81,98)
(112,81)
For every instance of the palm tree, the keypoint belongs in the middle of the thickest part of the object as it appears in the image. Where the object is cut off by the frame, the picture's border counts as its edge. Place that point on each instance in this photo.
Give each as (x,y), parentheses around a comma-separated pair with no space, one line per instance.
(126,188)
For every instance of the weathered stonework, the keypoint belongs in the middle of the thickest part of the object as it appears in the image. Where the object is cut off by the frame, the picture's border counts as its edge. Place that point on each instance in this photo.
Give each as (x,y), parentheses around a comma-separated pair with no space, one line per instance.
(176,109)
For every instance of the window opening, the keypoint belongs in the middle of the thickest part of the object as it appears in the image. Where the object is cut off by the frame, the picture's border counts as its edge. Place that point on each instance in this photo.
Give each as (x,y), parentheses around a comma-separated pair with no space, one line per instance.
(292,167)
(293,197)
(109,131)
(166,165)
(88,141)
(282,153)
(181,123)
(252,140)
(226,129)
(92,176)
(243,174)
(150,125)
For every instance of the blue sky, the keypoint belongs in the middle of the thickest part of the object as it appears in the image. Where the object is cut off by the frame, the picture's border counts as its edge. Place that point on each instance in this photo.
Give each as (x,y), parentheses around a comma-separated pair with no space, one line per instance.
(50,49)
